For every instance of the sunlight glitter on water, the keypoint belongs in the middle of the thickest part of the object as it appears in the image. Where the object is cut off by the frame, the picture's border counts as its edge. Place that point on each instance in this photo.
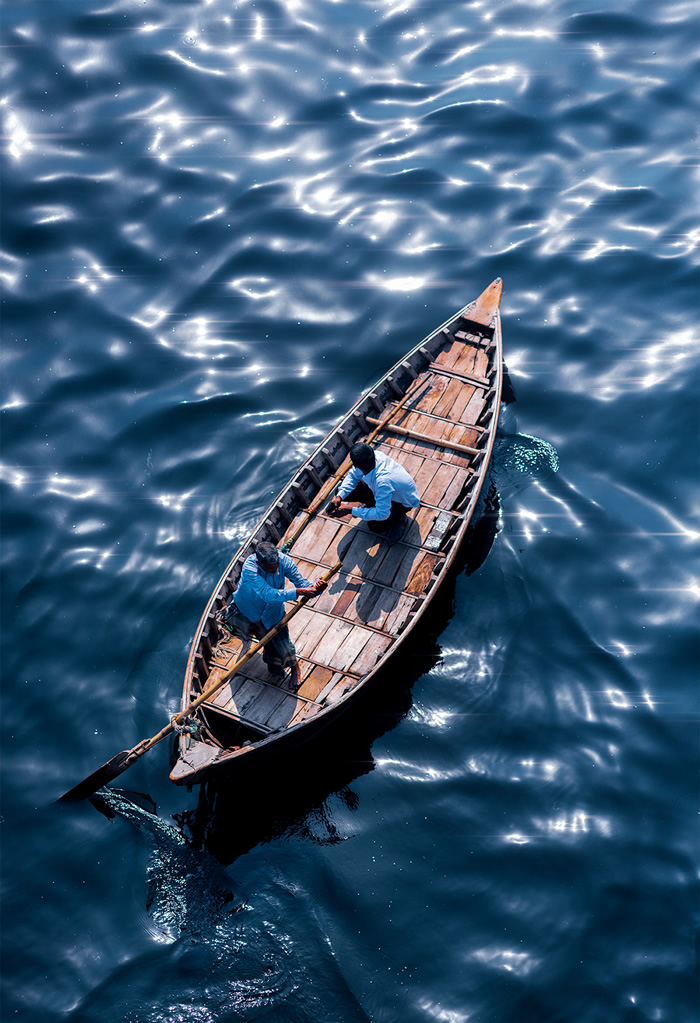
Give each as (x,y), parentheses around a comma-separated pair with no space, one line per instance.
(324,172)
(405,284)
(416,773)
(576,823)
(519,963)
(75,489)
(20,142)
(432,716)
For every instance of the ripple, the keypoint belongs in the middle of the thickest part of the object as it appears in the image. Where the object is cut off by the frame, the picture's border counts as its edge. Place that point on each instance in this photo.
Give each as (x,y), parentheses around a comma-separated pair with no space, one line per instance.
(222,224)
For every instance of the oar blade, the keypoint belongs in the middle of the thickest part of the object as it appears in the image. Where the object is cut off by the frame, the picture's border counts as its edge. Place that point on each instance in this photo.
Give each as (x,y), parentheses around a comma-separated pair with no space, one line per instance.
(100,777)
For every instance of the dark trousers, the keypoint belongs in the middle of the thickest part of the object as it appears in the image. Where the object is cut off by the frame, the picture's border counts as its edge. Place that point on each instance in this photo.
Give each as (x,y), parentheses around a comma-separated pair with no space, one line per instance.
(278,654)
(364,495)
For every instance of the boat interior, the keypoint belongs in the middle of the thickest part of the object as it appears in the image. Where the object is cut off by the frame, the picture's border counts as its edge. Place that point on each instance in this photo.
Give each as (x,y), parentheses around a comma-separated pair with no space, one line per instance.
(441,434)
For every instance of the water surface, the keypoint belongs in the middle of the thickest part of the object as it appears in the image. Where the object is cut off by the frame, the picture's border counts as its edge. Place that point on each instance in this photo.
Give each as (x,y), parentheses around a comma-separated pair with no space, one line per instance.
(221,223)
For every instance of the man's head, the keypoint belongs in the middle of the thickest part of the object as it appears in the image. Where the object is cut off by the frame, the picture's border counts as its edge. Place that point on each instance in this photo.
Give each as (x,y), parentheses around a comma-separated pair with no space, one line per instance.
(362,457)
(267,556)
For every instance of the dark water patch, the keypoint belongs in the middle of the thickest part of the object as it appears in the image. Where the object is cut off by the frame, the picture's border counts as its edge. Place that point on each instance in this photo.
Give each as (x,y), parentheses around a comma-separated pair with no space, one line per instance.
(607,25)
(475,125)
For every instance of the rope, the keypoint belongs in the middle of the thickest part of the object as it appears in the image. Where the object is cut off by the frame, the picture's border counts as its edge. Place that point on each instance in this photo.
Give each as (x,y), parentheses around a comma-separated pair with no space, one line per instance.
(188,726)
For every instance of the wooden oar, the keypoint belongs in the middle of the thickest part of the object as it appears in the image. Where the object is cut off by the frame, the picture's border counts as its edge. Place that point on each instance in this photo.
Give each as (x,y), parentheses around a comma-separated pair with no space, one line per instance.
(119,763)
(329,485)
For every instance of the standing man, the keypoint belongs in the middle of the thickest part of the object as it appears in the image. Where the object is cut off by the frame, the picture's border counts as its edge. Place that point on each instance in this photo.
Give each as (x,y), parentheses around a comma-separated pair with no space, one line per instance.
(258,605)
(378,490)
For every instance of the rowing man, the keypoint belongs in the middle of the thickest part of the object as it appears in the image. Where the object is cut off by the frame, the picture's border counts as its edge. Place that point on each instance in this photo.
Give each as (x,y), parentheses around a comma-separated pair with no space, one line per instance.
(258,605)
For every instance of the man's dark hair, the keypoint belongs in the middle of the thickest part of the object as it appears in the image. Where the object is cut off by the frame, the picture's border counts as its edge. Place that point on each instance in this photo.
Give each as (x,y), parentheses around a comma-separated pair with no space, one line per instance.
(362,456)
(267,555)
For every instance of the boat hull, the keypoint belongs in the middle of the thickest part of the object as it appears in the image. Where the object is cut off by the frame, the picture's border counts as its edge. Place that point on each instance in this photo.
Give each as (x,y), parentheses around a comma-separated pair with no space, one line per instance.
(436,412)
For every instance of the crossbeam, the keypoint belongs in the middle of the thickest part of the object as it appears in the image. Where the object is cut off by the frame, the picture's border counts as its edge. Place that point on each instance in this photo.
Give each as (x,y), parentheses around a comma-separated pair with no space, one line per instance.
(437,367)
(437,442)
(443,419)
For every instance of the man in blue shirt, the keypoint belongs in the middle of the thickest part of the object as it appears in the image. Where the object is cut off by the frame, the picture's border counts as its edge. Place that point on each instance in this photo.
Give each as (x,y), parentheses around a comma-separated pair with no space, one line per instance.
(378,490)
(258,605)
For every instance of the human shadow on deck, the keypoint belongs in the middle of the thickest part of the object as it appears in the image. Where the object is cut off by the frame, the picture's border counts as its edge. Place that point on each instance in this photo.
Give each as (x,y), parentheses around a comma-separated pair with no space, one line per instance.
(384,569)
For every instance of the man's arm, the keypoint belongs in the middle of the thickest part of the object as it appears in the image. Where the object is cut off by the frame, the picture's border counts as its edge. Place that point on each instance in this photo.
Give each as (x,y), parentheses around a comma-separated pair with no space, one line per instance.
(271,595)
(350,482)
(382,502)
(291,570)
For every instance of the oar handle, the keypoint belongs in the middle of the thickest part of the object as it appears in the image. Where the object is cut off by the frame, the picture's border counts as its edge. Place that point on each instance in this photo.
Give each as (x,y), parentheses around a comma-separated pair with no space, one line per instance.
(177,719)
(397,408)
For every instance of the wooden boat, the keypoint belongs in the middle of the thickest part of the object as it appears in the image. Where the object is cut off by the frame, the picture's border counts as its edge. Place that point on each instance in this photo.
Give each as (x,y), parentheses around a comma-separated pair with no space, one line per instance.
(435,412)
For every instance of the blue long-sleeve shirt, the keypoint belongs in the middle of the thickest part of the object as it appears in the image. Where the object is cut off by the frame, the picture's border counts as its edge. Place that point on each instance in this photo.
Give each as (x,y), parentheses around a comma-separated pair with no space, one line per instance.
(388,481)
(261,595)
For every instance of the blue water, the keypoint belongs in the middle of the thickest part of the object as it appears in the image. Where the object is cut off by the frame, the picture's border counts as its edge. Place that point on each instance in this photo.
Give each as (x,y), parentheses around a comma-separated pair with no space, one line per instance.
(222,221)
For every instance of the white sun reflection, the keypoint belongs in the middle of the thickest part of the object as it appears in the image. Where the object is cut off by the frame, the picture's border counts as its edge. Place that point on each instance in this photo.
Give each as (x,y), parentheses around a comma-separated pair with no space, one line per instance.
(150,317)
(568,825)
(89,556)
(435,717)
(647,697)
(67,486)
(436,1011)
(529,516)
(678,528)
(407,771)
(560,501)
(516,364)
(545,770)
(577,823)
(601,247)
(523,33)
(20,141)
(53,214)
(254,287)
(93,276)
(268,155)
(515,838)
(174,502)
(190,63)
(10,276)
(15,477)
(519,963)
(618,698)
(14,401)
(385,218)
(406,284)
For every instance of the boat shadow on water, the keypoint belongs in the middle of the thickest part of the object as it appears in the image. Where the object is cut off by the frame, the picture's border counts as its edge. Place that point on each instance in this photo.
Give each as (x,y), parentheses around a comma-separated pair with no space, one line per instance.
(289,798)
(252,936)
(274,800)
(195,905)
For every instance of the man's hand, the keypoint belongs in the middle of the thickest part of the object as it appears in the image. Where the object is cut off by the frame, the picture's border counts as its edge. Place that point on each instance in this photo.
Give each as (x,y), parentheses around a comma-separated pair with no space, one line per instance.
(338,510)
(306,591)
(321,585)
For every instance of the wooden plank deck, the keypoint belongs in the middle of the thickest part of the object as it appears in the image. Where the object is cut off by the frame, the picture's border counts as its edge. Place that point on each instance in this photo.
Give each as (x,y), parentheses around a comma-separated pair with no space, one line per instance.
(344,631)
